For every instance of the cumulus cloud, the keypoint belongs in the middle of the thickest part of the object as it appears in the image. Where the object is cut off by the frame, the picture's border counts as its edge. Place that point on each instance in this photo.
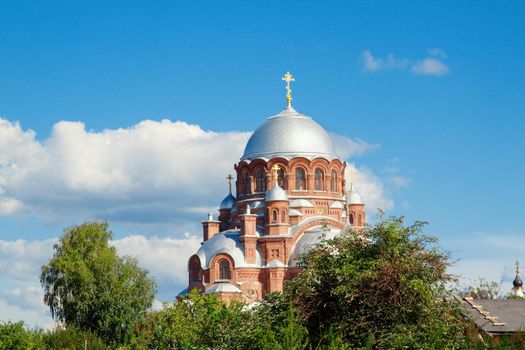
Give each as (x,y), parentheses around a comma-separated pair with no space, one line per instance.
(21,260)
(433,64)
(157,175)
(166,258)
(348,148)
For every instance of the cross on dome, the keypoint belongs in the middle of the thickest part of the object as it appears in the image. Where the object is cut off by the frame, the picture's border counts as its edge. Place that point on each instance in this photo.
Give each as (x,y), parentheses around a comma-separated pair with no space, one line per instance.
(288,78)
(275,171)
(229,178)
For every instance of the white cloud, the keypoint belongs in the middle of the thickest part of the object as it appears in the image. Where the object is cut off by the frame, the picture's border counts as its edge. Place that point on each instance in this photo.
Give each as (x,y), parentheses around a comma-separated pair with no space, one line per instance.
(159,176)
(166,258)
(499,251)
(431,65)
(370,187)
(399,181)
(374,64)
(33,317)
(21,260)
(348,148)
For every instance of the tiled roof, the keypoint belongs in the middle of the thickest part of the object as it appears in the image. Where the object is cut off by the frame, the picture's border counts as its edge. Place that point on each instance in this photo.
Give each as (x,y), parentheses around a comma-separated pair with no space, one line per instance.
(495,316)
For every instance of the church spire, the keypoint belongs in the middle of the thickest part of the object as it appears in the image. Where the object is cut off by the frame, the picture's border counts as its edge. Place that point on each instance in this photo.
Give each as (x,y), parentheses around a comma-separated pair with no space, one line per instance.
(288,78)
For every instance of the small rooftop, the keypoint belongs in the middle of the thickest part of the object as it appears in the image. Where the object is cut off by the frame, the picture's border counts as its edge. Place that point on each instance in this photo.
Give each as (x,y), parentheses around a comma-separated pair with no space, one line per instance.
(495,316)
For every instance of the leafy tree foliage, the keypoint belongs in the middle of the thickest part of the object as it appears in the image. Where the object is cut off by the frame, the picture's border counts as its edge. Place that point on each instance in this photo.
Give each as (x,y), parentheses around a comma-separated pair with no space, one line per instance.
(72,338)
(484,290)
(87,285)
(292,335)
(14,336)
(383,286)
(198,322)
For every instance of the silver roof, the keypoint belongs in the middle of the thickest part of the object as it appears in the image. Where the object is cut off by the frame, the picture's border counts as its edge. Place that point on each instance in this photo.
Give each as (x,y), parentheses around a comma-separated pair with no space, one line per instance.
(275,263)
(337,205)
(222,287)
(301,203)
(225,242)
(295,212)
(276,194)
(309,239)
(289,134)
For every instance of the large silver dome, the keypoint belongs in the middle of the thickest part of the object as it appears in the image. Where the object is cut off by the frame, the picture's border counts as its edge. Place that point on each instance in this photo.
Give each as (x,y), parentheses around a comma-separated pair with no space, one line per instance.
(289,134)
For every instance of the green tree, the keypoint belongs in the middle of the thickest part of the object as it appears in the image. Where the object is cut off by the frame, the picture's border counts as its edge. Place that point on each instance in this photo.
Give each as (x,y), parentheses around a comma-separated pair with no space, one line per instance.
(291,335)
(72,338)
(198,322)
(484,290)
(14,336)
(87,285)
(382,287)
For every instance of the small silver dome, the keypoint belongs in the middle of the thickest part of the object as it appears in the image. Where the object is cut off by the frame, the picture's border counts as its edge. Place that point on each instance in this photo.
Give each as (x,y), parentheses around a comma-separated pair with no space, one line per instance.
(353,197)
(276,194)
(228,202)
(290,134)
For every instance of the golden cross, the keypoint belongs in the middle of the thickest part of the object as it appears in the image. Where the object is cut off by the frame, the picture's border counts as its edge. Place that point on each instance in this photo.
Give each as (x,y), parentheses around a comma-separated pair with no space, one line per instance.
(229,178)
(275,170)
(352,177)
(288,78)
(517,267)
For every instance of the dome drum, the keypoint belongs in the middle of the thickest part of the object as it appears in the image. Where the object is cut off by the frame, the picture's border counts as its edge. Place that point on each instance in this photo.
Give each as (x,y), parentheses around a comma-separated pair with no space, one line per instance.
(298,176)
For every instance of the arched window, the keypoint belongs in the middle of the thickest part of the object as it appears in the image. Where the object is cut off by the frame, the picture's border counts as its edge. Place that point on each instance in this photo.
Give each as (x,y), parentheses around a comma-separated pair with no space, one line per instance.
(333,181)
(300,179)
(359,220)
(283,216)
(224,270)
(274,217)
(280,177)
(319,179)
(351,218)
(261,181)
(195,270)
(247,183)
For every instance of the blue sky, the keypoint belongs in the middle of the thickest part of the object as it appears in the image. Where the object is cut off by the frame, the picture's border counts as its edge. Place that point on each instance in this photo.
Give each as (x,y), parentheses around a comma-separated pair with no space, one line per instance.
(444,140)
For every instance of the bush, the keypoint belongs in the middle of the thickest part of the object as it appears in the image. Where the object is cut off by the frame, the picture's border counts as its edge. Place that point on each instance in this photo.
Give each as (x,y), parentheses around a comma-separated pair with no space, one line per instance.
(71,338)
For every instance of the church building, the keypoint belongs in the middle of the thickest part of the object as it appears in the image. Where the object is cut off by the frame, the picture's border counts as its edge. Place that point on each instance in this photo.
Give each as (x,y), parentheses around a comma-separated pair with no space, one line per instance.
(289,192)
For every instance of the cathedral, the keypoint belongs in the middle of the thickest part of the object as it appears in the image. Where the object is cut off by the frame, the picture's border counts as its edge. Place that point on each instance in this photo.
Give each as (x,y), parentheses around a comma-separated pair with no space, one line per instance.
(289,192)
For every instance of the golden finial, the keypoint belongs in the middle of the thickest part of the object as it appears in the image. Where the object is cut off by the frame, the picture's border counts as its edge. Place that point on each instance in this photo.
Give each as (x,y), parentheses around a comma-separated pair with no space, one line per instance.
(229,178)
(517,267)
(288,78)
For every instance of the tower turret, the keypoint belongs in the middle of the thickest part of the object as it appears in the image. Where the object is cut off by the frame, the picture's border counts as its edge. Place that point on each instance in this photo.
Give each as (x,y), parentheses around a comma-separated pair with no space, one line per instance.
(210,227)
(354,205)
(277,207)
(227,205)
